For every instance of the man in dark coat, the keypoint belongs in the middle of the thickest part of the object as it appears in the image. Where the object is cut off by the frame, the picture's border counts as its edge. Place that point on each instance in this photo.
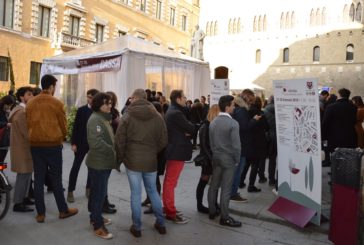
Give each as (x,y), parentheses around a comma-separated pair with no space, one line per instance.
(179,150)
(241,115)
(79,143)
(269,113)
(338,125)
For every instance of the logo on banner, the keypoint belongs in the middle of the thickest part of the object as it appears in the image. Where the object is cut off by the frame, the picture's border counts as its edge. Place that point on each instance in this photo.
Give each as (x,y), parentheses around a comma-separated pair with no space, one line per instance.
(309,84)
(100,64)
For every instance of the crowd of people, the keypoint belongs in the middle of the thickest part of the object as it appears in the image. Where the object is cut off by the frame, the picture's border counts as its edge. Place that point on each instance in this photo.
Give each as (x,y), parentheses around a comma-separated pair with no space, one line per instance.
(152,137)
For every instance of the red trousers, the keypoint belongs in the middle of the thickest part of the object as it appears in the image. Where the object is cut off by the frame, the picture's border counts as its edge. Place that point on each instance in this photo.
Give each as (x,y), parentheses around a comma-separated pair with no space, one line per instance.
(173,171)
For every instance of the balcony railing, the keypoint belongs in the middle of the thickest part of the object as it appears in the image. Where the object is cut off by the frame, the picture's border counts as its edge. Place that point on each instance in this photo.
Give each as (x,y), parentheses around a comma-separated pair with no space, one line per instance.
(75,42)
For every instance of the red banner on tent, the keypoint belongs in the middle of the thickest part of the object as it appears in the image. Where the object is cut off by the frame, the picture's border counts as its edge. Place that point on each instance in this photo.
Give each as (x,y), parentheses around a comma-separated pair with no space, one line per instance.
(99,64)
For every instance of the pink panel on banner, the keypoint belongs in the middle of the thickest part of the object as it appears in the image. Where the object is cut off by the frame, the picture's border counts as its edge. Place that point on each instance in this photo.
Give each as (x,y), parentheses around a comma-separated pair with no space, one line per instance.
(292,212)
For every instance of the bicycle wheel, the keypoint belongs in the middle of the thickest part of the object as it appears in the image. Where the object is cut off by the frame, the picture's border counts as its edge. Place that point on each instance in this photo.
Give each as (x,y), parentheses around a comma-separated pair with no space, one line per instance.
(4,195)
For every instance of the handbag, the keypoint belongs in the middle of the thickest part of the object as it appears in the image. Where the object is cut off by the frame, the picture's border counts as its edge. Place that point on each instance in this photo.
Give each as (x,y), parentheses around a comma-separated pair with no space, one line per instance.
(201,160)
(4,136)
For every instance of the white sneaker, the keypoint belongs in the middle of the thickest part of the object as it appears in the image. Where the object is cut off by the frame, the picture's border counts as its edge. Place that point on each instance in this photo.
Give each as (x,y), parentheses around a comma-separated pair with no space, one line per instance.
(275,192)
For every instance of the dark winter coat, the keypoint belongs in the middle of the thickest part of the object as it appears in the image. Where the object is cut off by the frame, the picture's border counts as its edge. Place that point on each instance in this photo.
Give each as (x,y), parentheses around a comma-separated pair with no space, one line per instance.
(338,125)
(269,114)
(205,140)
(180,131)
(141,135)
(79,132)
(241,115)
(257,145)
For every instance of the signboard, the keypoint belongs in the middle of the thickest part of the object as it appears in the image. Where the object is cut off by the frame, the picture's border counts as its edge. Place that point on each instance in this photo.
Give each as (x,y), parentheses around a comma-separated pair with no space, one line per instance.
(219,87)
(297,114)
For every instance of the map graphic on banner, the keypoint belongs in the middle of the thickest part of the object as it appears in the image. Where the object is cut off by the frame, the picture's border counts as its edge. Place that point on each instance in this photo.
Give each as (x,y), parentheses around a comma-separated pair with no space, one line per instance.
(299,142)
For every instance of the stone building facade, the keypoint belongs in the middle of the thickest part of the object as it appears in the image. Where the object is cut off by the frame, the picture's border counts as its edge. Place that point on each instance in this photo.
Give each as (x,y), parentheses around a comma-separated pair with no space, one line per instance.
(31,30)
(259,42)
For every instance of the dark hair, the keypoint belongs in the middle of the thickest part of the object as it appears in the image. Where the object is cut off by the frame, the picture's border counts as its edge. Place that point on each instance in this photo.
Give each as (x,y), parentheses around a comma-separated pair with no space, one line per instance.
(154,93)
(21,92)
(247,92)
(36,91)
(149,93)
(114,98)
(7,100)
(258,103)
(160,93)
(324,92)
(47,81)
(224,101)
(99,100)
(358,101)
(344,93)
(203,97)
(196,101)
(158,107)
(92,92)
(127,102)
(175,94)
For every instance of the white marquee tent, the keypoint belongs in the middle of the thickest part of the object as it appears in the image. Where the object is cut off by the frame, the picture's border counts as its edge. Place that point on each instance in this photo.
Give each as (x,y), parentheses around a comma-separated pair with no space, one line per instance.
(122,65)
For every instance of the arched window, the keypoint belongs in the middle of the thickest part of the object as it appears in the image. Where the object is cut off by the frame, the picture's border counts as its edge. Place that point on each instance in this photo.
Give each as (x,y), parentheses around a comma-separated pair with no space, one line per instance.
(346,14)
(235,28)
(265,23)
(282,21)
(358,13)
(288,20)
(312,17)
(255,24)
(258,56)
(316,54)
(208,33)
(221,72)
(323,17)
(286,55)
(350,52)
(352,12)
(260,23)
(318,17)
(212,28)
(230,29)
(293,20)
(216,28)
(239,26)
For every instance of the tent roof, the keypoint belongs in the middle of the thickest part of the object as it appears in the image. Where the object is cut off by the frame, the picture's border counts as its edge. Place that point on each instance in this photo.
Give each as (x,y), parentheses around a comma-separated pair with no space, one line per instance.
(119,46)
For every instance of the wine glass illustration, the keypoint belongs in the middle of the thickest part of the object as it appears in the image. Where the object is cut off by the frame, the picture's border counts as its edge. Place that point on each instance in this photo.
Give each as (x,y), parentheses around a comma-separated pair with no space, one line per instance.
(294,170)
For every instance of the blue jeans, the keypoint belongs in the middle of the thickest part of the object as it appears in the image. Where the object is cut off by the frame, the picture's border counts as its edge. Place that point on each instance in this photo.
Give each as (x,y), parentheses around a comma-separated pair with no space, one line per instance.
(239,169)
(98,180)
(135,183)
(48,158)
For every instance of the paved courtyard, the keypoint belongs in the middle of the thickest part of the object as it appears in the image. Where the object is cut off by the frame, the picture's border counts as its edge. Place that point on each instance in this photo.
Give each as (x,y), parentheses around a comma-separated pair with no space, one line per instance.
(260,228)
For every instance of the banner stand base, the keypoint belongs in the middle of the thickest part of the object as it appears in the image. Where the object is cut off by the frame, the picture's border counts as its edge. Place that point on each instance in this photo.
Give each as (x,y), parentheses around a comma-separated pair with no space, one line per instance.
(292,212)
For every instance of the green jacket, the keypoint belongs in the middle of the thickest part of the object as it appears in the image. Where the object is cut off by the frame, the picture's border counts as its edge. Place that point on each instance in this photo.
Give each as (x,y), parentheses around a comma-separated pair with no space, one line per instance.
(100,138)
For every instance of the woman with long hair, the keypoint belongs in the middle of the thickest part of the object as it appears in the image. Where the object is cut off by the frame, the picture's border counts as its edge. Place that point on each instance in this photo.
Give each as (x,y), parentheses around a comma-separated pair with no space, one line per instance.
(206,170)
(358,102)
(115,114)
(6,104)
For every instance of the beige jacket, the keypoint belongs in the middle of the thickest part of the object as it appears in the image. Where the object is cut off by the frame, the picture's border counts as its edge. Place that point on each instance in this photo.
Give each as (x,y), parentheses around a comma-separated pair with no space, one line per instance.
(20,156)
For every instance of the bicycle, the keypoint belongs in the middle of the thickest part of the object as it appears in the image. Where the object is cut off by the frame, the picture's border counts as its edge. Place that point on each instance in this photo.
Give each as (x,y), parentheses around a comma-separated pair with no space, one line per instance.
(5,189)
